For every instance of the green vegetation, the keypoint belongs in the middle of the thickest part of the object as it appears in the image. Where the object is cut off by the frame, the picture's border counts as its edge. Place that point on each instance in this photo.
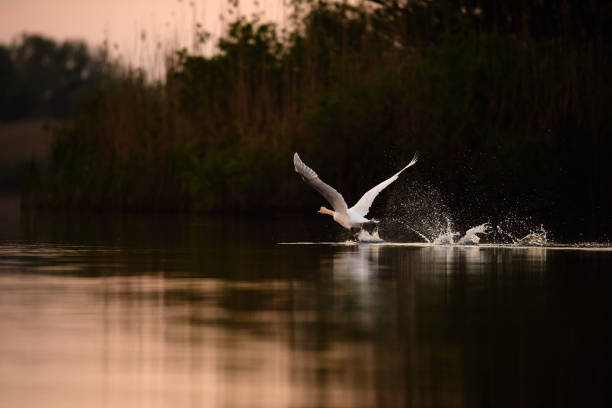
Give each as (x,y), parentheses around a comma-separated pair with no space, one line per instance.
(509,115)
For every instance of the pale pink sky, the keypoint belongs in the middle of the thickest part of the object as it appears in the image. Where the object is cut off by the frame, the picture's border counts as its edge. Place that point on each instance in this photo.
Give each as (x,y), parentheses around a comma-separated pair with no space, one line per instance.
(169,22)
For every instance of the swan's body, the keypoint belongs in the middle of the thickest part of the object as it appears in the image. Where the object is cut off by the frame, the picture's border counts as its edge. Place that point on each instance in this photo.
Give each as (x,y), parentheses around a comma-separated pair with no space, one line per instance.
(347,217)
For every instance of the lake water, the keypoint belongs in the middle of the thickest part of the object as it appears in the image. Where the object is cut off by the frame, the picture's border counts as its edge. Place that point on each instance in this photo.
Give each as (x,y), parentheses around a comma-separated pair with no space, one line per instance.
(136,311)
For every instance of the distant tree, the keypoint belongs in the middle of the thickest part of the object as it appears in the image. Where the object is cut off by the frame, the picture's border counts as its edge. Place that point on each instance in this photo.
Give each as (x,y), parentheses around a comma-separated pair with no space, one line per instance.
(10,101)
(42,78)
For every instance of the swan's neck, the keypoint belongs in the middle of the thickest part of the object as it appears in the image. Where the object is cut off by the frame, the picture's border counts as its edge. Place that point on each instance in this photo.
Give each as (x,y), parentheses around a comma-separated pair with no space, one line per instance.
(327,211)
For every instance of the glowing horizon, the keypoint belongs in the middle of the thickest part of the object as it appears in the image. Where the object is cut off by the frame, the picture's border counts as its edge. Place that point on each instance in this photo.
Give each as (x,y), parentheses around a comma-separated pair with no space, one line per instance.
(130,29)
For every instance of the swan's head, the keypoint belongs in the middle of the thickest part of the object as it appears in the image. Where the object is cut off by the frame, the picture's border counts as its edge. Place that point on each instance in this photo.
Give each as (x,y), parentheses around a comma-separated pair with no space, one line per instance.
(324,210)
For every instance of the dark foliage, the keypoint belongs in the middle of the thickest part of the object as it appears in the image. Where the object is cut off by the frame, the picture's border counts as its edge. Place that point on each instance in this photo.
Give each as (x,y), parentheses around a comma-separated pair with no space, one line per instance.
(43,78)
(511,117)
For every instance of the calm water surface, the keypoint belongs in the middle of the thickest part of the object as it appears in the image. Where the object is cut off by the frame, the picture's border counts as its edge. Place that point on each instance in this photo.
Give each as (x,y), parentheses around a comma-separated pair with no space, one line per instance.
(104,311)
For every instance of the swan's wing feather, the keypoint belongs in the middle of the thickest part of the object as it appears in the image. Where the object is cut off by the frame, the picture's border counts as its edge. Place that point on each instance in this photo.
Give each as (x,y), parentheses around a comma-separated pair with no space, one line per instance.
(309,176)
(363,205)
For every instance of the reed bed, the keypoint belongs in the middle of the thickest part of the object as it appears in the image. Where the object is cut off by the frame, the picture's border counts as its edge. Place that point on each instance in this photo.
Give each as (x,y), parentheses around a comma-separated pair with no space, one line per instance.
(505,121)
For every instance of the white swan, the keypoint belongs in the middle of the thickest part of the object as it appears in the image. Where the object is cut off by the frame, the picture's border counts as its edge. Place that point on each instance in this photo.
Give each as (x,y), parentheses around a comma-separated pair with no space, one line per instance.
(347,217)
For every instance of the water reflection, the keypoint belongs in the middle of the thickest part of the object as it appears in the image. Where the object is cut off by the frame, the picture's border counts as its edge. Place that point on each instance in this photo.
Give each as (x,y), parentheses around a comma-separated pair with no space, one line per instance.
(358,262)
(112,325)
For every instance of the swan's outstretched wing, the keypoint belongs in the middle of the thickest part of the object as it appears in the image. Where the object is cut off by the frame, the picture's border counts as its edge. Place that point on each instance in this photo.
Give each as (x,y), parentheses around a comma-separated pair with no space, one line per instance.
(363,205)
(309,176)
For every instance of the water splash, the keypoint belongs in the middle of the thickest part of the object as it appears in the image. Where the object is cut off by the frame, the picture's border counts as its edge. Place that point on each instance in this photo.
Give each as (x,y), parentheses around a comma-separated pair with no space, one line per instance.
(534,238)
(365,237)
(417,212)
(446,237)
(502,232)
(471,236)
(537,237)
(421,235)
(499,235)
(421,212)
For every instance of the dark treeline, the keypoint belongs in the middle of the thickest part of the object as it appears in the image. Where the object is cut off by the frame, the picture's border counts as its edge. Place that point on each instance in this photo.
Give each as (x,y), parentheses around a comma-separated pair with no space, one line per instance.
(42,78)
(508,102)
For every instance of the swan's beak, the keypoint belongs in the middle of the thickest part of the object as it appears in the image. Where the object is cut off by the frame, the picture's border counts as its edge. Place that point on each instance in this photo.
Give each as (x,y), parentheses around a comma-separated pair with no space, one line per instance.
(320,212)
